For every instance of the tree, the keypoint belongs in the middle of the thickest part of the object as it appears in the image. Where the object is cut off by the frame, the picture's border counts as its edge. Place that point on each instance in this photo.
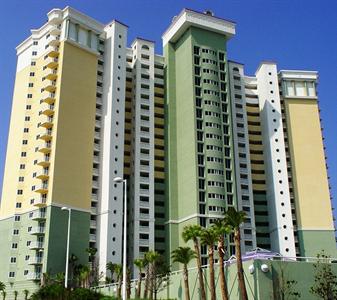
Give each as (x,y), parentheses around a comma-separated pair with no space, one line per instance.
(111,267)
(160,275)
(209,237)
(93,272)
(221,229)
(2,286)
(325,284)
(234,219)
(72,265)
(84,273)
(4,294)
(192,233)
(119,278)
(140,263)
(152,257)
(26,293)
(184,255)
(16,295)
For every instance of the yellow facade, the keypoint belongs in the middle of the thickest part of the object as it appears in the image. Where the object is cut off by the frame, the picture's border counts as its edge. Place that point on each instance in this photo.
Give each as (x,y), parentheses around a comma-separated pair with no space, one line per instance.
(74,120)
(308,165)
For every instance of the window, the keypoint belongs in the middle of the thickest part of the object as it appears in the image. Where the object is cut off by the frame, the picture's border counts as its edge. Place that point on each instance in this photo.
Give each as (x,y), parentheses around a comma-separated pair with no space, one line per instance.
(17,218)
(11,274)
(18,204)
(33,63)
(34,53)
(28,107)
(19,192)
(22,167)
(15,231)
(13,260)
(14,245)
(23,154)
(31,74)
(26,130)
(21,179)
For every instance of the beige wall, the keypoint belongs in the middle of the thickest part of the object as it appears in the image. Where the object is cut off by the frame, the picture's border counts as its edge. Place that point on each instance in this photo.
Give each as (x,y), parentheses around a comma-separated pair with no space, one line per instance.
(308,165)
(74,122)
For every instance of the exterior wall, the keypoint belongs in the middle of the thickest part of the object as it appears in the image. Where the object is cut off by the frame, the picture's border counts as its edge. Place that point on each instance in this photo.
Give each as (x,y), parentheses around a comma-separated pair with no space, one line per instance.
(74,125)
(260,285)
(110,207)
(314,218)
(280,217)
(199,118)
(242,155)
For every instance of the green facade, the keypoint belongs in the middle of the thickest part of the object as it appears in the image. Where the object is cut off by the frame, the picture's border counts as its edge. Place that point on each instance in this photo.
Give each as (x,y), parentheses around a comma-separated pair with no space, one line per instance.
(196,96)
(312,242)
(51,245)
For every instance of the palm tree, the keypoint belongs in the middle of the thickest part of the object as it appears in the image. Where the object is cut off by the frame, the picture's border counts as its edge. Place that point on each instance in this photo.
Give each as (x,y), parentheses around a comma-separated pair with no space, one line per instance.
(152,257)
(221,229)
(111,267)
(192,232)
(119,271)
(184,255)
(16,295)
(92,252)
(234,219)
(84,274)
(2,289)
(209,237)
(26,292)
(140,263)
(2,286)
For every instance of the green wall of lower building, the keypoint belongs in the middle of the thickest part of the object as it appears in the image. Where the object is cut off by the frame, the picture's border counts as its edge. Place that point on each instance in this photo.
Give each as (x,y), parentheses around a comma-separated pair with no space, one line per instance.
(260,285)
(312,242)
(57,238)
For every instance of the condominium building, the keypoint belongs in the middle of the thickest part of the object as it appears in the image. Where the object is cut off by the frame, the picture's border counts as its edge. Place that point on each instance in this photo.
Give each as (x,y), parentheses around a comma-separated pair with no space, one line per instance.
(188,130)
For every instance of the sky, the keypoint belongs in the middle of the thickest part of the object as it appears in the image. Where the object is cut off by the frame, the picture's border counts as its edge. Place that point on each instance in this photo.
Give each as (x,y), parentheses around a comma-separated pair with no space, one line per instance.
(296,34)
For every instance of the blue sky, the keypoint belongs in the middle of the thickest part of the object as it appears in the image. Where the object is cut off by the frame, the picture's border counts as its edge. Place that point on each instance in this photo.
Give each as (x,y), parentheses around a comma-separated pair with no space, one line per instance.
(296,34)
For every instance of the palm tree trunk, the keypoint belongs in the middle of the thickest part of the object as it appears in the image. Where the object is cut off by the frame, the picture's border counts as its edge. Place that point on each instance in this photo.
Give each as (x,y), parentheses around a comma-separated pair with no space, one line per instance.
(139,284)
(119,289)
(147,278)
(223,283)
(211,272)
(241,279)
(200,273)
(151,281)
(187,289)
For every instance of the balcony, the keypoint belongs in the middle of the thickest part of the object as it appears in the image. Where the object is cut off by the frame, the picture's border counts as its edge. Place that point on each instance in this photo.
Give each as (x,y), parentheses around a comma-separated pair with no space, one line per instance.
(37,230)
(42,189)
(144,192)
(96,147)
(55,30)
(94,197)
(49,85)
(95,171)
(94,210)
(40,202)
(47,109)
(36,245)
(53,40)
(50,74)
(35,260)
(45,134)
(39,215)
(95,184)
(44,147)
(53,51)
(46,121)
(144,229)
(92,238)
(48,98)
(93,224)
(43,174)
(143,242)
(34,276)
(144,204)
(51,62)
(144,216)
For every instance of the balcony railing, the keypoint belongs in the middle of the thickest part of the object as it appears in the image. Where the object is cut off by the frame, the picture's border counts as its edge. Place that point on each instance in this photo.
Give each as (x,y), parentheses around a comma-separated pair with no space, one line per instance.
(39,215)
(40,202)
(45,134)
(47,109)
(50,74)
(51,62)
(43,188)
(36,245)
(44,147)
(37,230)
(35,260)
(34,276)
